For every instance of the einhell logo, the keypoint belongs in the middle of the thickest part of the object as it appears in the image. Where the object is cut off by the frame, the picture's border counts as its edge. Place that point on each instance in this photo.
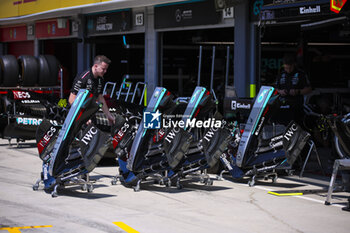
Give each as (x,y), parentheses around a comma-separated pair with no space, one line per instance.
(309,10)
(235,105)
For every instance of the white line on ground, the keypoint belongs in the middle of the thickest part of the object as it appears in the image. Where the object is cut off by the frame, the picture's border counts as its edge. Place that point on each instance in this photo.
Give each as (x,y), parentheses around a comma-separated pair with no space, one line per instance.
(302,197)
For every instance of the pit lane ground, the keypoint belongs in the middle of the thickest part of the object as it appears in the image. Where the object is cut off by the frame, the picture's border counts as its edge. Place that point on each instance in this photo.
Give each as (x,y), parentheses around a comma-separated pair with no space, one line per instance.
(224,207)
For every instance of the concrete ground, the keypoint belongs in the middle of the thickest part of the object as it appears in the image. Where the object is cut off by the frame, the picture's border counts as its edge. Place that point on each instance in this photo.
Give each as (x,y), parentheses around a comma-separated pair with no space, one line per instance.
(224,207)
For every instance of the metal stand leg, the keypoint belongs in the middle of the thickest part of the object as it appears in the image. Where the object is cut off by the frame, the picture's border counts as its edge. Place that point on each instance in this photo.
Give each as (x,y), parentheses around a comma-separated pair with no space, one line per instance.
(37,184)
(220,177)
(54,192)
(137,187)
(347,208)
(312,148)
(115,180)
(318,158)
(331,184)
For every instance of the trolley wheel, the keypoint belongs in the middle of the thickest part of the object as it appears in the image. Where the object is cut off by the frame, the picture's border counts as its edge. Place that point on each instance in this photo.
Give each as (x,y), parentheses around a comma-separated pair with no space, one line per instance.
(84,187)
(178,185)
(290,172)
(114,180)
(209,182)
(90,188)
(274,179)
(136,188)
(35,187)
(54,194)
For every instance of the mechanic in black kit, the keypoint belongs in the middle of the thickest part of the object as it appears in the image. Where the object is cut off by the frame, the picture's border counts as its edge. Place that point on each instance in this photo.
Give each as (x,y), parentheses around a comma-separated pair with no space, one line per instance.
(92,80)
(292,84)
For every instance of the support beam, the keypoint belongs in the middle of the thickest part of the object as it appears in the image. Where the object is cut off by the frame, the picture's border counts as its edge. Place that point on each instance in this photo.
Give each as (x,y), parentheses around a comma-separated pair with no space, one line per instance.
(83,57)
(253,60)
(151,52)
(36,47)
(83,50)
(241,49)
(2,49)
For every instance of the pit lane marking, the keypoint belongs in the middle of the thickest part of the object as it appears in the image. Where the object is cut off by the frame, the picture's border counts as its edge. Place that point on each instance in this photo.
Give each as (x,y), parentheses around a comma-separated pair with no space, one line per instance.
(125,227)
(17,229)
(301,197)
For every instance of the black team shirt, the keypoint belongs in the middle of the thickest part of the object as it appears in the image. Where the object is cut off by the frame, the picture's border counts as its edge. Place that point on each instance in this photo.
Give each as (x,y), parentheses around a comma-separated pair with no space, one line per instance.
(86,80)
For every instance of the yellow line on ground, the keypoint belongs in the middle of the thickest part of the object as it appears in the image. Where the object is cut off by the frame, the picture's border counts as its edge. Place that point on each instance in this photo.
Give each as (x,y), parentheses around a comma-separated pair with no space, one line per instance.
(285,194)
(17,229)
(125,227)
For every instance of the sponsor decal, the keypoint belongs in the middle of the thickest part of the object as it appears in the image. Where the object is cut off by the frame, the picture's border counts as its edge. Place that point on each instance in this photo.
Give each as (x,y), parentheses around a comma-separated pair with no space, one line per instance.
(259,126)
(120,134)
(54,122)
(30,101)
(276,142)
(28,121)
(277,138)
(159,136)
(18,95)
(235,105)
(171,135)
(45,140)
(309,10)
(89,135)
(290,132)
(209,135)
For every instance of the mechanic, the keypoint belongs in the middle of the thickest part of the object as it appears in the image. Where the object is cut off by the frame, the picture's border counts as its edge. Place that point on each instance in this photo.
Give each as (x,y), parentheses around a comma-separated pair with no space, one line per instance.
(292,84)
(92,80)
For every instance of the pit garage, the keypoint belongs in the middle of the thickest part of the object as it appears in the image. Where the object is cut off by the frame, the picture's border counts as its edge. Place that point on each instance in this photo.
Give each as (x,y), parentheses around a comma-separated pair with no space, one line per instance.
(320,39)
(246,173)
